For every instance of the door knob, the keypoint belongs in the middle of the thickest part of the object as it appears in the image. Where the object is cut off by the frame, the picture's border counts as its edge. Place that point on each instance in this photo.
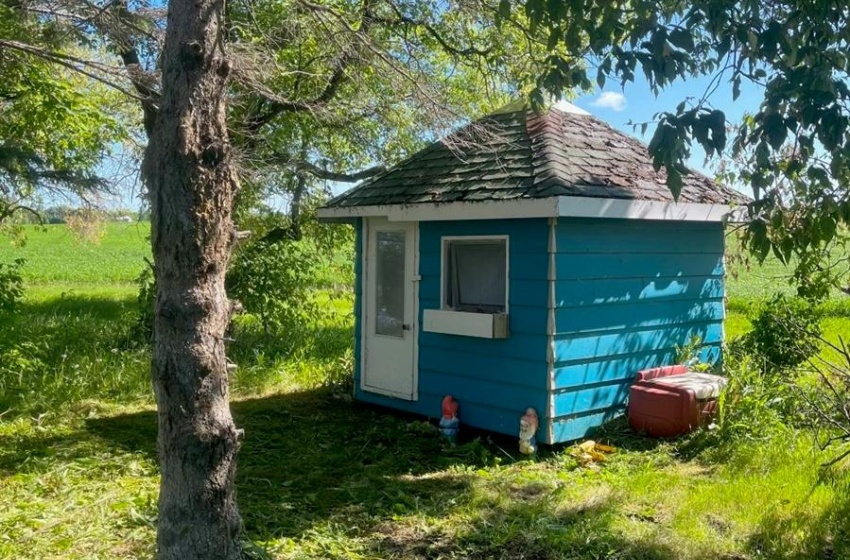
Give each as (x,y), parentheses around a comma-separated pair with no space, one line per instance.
(405,327)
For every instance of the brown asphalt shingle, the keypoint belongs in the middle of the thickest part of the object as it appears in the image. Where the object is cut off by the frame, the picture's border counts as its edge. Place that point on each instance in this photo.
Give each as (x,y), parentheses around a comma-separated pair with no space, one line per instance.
(523,155)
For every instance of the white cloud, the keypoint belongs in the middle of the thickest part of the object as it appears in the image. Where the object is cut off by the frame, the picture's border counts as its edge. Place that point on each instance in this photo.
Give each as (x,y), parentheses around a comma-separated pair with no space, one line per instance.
(610,100)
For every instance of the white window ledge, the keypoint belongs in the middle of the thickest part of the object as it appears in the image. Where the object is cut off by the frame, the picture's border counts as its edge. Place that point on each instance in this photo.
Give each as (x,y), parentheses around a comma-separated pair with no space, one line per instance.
(463,323)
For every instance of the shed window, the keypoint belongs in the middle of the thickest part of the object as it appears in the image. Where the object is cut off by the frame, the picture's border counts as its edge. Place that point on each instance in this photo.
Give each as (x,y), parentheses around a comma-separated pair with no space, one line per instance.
(475,274)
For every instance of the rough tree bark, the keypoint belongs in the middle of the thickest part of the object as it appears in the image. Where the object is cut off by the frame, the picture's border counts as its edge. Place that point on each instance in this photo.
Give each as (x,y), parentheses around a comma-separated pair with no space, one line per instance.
(298,194)
(191,180)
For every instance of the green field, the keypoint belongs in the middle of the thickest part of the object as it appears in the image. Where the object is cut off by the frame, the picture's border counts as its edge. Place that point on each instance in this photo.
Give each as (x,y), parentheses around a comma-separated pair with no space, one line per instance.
(55,256)
(322,477)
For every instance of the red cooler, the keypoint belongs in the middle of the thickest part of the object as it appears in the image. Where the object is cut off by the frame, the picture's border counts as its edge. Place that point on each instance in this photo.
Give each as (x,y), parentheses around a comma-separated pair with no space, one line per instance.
(670,401)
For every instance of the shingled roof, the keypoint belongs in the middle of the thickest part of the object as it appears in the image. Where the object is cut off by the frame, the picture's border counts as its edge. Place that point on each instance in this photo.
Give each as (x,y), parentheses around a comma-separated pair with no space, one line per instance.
(519,154)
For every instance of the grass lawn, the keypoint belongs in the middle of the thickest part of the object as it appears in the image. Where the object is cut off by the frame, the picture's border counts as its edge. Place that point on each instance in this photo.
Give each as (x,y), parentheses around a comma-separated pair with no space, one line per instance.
(323,477)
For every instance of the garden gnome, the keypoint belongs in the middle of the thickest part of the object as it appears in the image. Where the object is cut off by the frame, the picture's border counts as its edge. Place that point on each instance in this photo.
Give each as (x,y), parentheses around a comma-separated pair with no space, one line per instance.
(449,423)
(527,428)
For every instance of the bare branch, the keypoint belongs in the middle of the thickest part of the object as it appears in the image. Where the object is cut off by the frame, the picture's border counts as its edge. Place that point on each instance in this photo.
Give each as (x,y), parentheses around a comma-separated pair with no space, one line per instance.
(23,208)
(338,76)
(300,164)
(339,177)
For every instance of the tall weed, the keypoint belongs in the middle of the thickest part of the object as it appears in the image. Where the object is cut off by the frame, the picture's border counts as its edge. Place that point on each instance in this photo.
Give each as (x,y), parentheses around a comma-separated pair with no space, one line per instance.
(753,406)
(11,285)
(49,359)
(145,300)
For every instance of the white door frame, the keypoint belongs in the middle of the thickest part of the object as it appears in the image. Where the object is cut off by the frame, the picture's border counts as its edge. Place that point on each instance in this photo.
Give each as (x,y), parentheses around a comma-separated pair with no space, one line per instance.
(412,277)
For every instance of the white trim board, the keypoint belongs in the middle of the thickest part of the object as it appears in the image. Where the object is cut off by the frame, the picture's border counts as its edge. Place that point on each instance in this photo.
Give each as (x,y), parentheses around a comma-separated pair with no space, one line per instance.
(551,329)
(481,325)
(553,207)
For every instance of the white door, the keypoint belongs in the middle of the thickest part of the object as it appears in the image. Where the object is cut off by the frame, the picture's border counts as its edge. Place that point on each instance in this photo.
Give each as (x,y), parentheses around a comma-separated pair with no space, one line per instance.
(389,340)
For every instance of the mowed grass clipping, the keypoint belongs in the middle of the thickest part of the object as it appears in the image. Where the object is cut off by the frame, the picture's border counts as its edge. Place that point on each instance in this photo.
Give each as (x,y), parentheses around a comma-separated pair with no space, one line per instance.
(322,477)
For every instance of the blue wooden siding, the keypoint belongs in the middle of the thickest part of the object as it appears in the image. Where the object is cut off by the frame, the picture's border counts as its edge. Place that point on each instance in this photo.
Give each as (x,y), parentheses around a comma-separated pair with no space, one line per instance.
(627,293)
(494,380)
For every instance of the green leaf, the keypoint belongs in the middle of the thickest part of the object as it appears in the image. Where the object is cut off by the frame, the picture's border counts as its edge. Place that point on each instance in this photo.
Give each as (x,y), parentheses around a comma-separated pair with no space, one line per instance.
(717,121)
(674,182)
(656,144)
(759,242)
(682,39)
(775,130)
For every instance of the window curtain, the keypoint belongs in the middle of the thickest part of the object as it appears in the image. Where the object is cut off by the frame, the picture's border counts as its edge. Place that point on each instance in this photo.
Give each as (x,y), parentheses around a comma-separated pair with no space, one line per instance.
(478,276)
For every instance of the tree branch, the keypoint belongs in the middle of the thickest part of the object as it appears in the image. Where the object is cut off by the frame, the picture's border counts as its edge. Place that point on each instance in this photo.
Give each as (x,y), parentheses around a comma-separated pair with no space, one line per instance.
(88,68)
(300,164)
(444,44)
(22,208)
(317,171)
(338,76)
(142,81)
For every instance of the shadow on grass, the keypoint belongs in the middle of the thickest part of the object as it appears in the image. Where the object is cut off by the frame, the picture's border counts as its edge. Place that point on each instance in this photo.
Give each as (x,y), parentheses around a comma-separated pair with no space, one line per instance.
(39,453)
(75,322)
(307,456)
(514,532)
(525,528)
(313,467)
(618,433)
(98,307)
(689,447)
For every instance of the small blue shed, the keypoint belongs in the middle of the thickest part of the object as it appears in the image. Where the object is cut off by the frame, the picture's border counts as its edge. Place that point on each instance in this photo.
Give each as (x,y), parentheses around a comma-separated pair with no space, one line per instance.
(530,260)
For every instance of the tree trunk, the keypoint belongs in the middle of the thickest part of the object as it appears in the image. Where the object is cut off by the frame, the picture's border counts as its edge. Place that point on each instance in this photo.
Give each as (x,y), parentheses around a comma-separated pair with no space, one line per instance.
(299,190)
(295,206)
(191,180)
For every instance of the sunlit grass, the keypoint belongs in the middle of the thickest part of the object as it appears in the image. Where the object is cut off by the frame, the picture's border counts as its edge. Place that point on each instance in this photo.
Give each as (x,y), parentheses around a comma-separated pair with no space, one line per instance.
(54,254)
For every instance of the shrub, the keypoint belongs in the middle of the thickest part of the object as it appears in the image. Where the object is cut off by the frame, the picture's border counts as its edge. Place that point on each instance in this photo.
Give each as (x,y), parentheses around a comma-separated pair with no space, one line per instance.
(11,285)
(690,354)
(145,300)
(784,335)
(756,412)
(275,282)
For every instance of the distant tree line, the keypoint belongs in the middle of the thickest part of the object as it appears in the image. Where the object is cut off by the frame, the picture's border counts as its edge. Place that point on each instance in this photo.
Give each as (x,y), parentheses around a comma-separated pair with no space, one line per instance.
(59,215)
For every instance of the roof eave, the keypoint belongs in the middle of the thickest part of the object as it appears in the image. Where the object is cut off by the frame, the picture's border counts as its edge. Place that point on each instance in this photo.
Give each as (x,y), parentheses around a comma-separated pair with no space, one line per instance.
(552,207)
(631,209)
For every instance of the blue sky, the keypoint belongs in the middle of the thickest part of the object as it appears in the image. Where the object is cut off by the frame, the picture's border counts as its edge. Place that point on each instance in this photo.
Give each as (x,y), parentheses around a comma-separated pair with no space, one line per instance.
(638,104)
